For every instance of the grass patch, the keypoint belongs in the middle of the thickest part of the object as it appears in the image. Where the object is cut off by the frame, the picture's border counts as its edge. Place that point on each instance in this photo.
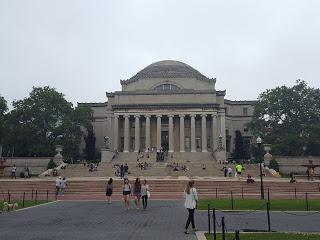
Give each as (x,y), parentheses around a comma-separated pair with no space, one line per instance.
(27,203)
(257,204)
(268,236)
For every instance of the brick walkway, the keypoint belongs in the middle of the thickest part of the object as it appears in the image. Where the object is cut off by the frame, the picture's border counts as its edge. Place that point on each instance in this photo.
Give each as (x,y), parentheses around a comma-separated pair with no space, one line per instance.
(163,220)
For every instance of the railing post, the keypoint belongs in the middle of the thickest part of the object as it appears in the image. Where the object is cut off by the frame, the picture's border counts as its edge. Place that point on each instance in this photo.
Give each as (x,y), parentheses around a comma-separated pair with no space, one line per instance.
(268,214)
(295,193)
(223,229)
(23,199)
(307,202)
(47,195)
(32,194)
(268,195)
(9,196)
(231,200)
(242,192)
(209,224)
(36,198)
(214,224)
(216,192)
(237,237)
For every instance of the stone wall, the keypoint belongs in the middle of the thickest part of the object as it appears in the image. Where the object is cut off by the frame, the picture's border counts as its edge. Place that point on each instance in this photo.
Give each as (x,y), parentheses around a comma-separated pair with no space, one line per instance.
(36,165)
(289,164)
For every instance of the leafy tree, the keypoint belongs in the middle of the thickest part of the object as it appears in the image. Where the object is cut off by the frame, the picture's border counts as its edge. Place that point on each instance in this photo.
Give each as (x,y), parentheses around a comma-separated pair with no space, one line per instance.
(90,149)
(45,119)
(288,118)
(239,151)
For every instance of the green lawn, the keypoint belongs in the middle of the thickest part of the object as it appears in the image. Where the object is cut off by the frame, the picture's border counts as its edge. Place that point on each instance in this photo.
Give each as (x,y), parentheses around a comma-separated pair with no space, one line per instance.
(257,204)
(269,236)
(27,203)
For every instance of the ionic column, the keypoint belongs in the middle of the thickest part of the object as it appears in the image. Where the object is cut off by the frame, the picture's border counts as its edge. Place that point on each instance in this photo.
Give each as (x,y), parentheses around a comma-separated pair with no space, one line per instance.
(147,132)
(171,146)
(158,131)
(193,132)
(116,132)
(214,131)
(223,128)
(137,133)
(126,134)
(204,132)
(182,149)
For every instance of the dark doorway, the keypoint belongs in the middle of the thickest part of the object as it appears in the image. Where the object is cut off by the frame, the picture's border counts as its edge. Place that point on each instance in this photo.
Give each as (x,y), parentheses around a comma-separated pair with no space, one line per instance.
(165,140)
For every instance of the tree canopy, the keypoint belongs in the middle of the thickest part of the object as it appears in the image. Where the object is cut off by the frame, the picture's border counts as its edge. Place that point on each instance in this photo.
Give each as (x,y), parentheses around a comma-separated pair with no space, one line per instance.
(289,118)
(45,118)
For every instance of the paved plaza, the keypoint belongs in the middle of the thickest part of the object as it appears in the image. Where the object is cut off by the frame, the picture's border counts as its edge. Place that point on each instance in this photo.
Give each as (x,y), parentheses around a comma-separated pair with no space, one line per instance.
(163,220)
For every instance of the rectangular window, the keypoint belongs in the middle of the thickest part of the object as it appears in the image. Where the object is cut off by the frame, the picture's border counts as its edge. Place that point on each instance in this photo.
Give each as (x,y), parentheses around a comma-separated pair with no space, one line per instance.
(245,111)
(209,142)
(187,123)
(198,142)
(187,143)
(198,123)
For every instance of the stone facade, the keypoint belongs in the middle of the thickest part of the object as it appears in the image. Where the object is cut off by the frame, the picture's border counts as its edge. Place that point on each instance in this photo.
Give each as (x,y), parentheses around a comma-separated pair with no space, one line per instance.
(169,104)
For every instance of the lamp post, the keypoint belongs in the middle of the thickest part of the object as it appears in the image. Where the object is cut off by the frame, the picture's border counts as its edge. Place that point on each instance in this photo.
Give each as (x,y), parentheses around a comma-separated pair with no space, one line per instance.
(259,141)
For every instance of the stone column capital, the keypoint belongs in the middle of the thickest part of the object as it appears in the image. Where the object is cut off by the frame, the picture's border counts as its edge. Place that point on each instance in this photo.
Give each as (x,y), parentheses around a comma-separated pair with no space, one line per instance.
(137,116)
(159,115)
(147,115)
(182,115)
(203,115)
(126,115)
(192,115)
(170,115)
(116,116)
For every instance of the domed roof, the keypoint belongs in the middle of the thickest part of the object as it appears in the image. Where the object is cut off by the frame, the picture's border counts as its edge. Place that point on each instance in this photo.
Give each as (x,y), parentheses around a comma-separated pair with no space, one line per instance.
(168,69)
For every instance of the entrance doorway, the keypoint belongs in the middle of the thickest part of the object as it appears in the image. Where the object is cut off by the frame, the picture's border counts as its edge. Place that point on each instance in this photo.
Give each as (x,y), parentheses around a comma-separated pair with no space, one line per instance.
(165,140)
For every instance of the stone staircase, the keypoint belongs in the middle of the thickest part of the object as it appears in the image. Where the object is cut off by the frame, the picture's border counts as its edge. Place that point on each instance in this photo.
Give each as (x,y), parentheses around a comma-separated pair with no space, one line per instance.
(193,161)
(170,188)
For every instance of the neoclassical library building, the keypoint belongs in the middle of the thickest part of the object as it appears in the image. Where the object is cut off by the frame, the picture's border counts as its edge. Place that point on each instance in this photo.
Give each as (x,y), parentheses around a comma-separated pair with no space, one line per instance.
(171,105)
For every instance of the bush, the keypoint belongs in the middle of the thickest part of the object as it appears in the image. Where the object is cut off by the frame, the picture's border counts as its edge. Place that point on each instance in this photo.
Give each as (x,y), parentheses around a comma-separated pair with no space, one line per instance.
(274,165)
(51,164)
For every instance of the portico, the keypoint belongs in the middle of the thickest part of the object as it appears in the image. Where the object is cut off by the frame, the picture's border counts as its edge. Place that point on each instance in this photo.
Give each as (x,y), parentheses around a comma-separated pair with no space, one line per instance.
(186,131)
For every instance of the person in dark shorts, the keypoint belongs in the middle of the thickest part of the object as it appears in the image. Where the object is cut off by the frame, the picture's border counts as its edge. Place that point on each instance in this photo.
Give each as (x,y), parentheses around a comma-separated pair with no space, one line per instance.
(137,192)
(126,191)
(109,189)
(145,192)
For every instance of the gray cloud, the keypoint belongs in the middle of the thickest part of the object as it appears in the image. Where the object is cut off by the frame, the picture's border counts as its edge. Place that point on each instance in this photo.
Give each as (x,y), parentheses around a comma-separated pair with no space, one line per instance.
(83,48)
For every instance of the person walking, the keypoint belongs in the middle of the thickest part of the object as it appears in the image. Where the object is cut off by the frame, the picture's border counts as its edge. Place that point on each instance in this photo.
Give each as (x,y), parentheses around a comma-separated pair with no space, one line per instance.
(63,185)
(109,189)
(121,171)
(191,199)
(145,192)
(239,170)
(126,191)
(13,172)
(58,185)
(137,192)
(125,170)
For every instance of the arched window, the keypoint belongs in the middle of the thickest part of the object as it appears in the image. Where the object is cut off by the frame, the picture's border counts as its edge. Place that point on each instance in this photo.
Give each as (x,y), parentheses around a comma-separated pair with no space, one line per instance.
(166,87)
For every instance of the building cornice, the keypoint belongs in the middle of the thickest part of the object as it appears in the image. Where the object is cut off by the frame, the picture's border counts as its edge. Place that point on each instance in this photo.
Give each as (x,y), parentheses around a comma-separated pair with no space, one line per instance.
(165,105)
(104,104)
(171,92)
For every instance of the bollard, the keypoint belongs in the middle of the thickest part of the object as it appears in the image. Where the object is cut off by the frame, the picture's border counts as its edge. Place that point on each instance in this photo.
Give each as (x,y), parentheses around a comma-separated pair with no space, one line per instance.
(237,237)
(214,224)
(23,199)
(231,200)
(223,229)
(36,198)
(268,215)
(47,195)
(307,202)
(295,193)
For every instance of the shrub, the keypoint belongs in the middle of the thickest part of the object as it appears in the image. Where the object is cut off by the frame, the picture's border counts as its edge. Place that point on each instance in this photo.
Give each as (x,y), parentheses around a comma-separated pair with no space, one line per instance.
(274,165)
(51,164)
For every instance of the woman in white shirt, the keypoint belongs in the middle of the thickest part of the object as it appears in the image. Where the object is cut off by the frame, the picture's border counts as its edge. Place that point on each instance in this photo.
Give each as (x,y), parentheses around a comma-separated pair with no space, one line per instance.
(191,198)
(126,192)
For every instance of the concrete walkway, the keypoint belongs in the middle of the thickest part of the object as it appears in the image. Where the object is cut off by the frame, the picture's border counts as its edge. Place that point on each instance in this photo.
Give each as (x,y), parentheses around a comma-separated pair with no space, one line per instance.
(163,220)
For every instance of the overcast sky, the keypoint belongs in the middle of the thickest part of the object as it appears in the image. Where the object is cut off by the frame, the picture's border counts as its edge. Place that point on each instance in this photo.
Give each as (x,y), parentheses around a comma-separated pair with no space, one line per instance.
(84,48)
